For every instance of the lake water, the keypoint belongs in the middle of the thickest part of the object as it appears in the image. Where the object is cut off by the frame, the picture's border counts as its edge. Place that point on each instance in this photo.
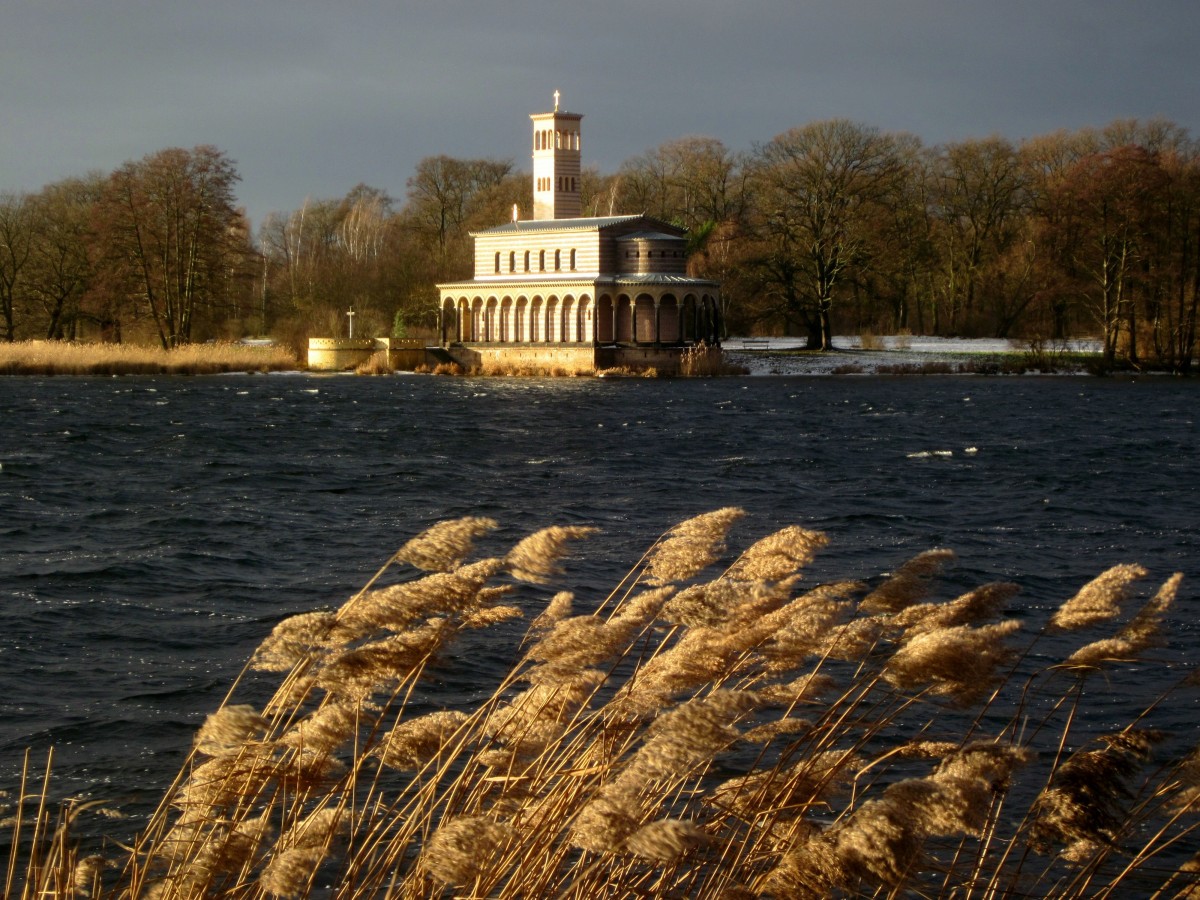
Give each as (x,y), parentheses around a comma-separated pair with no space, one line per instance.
(153,530)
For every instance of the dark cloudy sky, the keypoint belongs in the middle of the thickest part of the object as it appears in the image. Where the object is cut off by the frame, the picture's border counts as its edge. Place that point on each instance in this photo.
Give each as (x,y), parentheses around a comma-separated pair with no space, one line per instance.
(311,98)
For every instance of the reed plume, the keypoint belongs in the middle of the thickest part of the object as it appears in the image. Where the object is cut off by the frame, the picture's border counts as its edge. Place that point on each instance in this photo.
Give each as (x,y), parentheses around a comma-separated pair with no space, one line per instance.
(536,558)
(1099,600)
(723,733)
(445,545)
(691,546)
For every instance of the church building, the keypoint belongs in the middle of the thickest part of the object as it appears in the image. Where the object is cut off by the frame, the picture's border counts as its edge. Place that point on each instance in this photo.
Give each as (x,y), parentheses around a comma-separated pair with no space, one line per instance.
(572,293)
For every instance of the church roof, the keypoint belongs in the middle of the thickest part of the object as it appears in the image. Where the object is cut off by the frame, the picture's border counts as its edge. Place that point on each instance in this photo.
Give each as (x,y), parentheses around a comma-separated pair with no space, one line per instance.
(650,236)
(593,223)
(653,278)
(528,225)
(500,283)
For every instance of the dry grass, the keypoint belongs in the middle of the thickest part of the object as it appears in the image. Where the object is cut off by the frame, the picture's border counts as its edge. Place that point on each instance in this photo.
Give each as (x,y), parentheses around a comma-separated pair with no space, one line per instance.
(628,372)
(867,340)
(711,729)
(440,369)
(707,361)
(378,363)
(525,370)
(63,358)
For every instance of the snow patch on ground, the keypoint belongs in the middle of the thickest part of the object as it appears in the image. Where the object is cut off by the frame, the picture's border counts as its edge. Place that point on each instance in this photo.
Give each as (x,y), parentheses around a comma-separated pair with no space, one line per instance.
(782,356)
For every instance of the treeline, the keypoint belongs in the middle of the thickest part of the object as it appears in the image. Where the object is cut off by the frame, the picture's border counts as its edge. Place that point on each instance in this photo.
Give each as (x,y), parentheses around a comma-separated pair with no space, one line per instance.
(830,227)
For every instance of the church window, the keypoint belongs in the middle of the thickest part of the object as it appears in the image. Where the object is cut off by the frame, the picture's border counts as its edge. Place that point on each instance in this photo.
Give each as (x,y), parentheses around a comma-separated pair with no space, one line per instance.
(526,260)
(512,261)
(572,260)
(557,260)
(541,260)
(497,262)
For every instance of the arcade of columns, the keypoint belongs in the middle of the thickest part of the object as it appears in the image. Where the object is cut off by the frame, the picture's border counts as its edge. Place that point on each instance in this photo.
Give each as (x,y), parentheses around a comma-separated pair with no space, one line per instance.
(659,319)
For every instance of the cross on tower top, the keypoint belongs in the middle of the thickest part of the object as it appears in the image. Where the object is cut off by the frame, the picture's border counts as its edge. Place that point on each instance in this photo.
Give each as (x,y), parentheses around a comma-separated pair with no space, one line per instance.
(556,95)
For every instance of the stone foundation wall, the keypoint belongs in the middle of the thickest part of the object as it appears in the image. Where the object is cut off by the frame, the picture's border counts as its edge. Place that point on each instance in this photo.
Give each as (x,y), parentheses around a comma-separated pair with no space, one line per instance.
(403,355)
(531,358)
(337,355)
(664,360)
(564,358)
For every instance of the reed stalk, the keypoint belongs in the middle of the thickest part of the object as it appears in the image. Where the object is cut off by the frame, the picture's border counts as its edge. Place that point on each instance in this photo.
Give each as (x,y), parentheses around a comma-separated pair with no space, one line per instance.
(709,729)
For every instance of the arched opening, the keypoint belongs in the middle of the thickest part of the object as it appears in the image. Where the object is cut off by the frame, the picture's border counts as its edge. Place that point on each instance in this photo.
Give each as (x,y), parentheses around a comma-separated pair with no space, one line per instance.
(477,319)
(668,320)
(567,320)
(537,331)
(520,325)
(604,320)
(586,328)
(552,322)
(489,326)
(643,319)
(687,318)
(624,326)
(506,309)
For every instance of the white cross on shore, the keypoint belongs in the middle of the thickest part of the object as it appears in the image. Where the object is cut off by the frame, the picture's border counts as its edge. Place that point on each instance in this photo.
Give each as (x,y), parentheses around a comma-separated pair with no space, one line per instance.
(350,314)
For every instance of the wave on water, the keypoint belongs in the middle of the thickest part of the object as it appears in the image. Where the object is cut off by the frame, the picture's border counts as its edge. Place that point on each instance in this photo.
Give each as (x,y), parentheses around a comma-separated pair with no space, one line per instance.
(158,545)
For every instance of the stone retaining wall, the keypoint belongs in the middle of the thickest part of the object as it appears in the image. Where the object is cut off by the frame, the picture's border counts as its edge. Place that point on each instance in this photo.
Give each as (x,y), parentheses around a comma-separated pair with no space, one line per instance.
(340,355)
(564,358)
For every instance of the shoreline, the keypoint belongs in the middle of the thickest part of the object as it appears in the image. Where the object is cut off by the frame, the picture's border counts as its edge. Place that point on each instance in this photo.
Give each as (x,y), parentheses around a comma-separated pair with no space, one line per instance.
(745,357)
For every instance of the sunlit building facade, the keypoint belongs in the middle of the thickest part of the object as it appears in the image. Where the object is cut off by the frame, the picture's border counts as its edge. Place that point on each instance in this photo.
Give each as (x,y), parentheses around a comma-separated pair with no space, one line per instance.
(594,291)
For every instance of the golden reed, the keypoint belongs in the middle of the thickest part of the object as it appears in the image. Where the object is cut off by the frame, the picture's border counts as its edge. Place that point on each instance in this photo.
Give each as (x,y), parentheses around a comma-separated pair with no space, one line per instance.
(65,358)
(713,728)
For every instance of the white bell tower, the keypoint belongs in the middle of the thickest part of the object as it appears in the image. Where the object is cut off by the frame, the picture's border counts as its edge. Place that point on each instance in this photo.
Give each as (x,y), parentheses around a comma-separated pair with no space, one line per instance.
(556,164)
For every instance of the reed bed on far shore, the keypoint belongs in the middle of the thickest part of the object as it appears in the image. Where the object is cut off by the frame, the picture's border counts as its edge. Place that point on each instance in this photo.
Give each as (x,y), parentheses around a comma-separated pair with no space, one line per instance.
(714,728)
(707,361)
(68,358)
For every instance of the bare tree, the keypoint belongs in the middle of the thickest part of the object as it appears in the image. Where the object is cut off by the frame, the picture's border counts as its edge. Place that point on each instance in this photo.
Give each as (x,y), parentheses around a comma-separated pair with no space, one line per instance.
(15,246)
(816,189)
(443,196)
(979,200)
(61,268)
(167,222)
(1109,203)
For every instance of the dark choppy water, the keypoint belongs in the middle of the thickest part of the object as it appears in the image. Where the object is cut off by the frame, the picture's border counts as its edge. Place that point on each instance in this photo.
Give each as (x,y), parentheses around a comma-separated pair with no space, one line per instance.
(152,530)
